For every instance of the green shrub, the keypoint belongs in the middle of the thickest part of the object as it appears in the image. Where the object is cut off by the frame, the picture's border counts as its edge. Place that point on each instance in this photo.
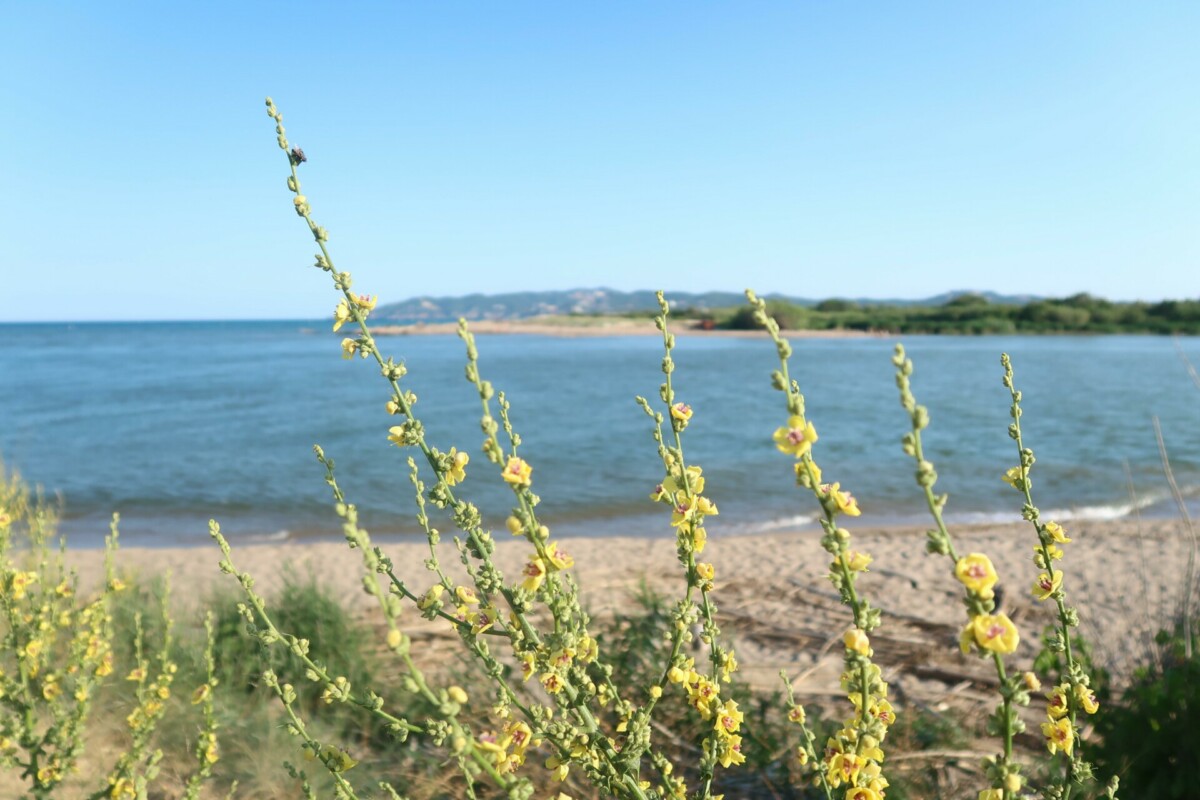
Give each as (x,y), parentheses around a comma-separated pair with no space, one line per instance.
(1150,735)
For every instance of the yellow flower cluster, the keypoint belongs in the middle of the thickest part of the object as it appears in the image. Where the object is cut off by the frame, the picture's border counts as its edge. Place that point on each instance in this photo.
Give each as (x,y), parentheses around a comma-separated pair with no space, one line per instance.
(506,749)
(705,697)
(985,632)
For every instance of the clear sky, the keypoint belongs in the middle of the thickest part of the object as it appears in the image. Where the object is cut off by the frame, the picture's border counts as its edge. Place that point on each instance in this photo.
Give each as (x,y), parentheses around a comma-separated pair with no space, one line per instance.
(817,149)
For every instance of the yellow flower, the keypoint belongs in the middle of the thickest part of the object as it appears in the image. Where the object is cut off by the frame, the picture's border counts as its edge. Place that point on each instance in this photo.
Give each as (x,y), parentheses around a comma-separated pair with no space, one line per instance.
(1039,556)
(366,302)
(692,481)
(1047,584)
(706,571)
(683,509)
(457,694)
(728,718)
(802,756)
(517,472)
(457,471)
(349,348)
(795,438)
(856,639)
(201,694)
(1056,532)
(559,769)
(1031,682)
(681,412)
(1086,698)
(991,794)
(394,638)
(729,665)
(796,715)
(976,572)
(1056,701)
(535,573)
(341,315)
(514,526)
(20,582)
(559,559)
(842,502)
(431,597)
(483,619)
(337,760)
(699,539)
(802,470)
(882,710)
(1015,477)
(465,594)
(702,694)
(51,689)
(862,793)
(122,788)
(843,768)
(552,682)
(729,751)
(995,633)
(211,752)
(856,561)
(1060,736)
(519,735)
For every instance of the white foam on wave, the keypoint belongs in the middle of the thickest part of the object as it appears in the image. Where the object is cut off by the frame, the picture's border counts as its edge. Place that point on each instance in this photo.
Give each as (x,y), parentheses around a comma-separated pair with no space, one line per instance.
(281,535)
(984,517)
(796,521)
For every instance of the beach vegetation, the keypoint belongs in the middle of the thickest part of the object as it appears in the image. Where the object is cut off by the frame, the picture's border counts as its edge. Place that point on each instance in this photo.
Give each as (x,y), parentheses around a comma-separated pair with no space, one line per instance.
(658,714)
(64,654)
(541,695)
(1148,733)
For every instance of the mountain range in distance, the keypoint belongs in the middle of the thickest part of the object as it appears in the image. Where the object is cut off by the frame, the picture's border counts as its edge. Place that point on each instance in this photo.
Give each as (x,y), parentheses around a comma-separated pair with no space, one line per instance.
(523,305)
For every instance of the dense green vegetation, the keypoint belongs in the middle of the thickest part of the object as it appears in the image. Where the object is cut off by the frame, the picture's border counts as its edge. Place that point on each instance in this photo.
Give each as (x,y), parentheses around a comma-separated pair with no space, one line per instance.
(974,314)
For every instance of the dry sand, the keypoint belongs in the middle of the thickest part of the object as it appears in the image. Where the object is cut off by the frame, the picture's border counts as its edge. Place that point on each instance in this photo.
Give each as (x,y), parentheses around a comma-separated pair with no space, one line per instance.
(595,326)
(774,600)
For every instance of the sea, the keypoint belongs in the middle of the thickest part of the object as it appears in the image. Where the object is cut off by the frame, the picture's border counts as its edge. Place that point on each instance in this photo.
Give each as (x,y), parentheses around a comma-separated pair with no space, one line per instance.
(170,424)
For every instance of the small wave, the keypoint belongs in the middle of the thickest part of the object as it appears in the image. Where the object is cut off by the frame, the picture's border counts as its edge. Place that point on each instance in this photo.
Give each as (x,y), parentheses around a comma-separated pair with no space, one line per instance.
(984,517)
(282,535)
(781,523)
(1106,512)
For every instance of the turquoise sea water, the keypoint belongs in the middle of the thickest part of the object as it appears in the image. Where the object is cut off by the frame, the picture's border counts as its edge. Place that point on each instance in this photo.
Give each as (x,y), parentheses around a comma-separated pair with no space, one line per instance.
(173,423)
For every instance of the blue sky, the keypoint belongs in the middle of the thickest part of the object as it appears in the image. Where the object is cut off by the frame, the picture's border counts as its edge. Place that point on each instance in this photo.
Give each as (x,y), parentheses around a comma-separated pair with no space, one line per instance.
(816,149)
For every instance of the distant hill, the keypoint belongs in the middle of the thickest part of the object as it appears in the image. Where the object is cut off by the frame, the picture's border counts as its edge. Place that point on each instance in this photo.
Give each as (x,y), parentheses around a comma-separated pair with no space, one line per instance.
(522,305)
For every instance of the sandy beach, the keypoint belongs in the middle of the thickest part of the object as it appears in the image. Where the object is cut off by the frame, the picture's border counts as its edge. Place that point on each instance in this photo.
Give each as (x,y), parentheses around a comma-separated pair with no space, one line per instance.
(569,327)
(1126,577)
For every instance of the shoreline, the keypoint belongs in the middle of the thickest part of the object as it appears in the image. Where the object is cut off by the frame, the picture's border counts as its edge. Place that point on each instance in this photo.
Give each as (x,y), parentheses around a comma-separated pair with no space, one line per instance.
(1126,578)
(602,327)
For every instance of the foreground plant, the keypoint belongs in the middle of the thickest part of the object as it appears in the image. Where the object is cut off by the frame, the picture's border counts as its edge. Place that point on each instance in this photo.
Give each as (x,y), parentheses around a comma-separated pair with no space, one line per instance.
(565,711)
(853,757)
(58,653)
(573,715)
(991,634)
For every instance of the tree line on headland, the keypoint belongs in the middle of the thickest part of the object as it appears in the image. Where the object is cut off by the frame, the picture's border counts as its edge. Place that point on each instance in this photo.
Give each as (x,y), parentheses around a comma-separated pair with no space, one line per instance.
(974,314)
(950,313)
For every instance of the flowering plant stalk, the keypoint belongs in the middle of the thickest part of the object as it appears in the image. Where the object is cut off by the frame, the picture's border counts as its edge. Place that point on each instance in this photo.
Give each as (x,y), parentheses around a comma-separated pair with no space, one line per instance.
(574,714)
(992,634)
(56,653)
(853,756)
(988,633)
(1071,696)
